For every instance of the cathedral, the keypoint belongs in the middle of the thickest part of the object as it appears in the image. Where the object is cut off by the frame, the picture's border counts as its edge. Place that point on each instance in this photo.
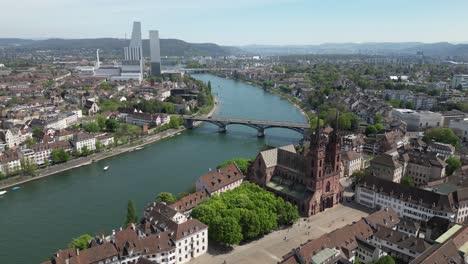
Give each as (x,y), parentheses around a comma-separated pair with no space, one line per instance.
(310,181)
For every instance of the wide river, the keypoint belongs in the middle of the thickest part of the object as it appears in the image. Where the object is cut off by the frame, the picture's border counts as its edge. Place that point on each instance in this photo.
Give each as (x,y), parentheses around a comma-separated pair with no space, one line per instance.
(44,215)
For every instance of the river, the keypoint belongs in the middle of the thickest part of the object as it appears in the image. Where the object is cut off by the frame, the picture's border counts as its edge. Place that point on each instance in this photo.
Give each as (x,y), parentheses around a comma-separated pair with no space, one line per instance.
(44,215)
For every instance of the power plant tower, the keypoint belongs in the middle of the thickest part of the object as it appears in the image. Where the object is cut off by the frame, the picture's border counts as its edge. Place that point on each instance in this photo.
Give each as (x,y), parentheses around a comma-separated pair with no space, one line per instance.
(98,63)
(155,53)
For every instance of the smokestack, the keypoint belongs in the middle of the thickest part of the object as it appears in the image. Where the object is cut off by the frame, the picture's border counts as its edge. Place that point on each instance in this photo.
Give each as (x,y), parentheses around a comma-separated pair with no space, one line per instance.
(98,63)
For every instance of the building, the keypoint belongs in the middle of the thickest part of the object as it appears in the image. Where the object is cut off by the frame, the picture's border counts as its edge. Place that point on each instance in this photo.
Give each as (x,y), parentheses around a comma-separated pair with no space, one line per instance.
(10,162)
(222,180)
(82,140)
(441,149)
(343,245)
(14,137)
(155,53)
(460,80)
(460,128)
(310,181)
(409,202)
(388,166)
(418,120)
(352,162)
(452,115)
(42,153)
(187,203)
(189,236)
(141,119)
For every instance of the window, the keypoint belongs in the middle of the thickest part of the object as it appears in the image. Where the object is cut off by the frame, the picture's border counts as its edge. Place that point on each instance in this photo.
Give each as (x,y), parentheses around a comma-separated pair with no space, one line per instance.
(327,188)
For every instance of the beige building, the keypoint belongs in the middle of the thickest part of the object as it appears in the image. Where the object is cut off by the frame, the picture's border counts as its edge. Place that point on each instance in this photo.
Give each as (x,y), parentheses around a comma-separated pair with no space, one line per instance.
(388,166)
(352,162)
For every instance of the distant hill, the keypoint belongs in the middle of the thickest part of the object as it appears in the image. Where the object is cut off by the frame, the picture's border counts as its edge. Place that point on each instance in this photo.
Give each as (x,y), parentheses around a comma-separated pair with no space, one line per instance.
(442,49)
(169,47)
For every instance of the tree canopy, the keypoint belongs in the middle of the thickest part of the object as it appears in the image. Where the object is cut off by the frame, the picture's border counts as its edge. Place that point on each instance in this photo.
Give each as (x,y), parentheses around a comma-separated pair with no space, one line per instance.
(453,163)
(244,213)
(407,181)
(443,135)
(166,197)
(131,213)
(81,242)
(242,163)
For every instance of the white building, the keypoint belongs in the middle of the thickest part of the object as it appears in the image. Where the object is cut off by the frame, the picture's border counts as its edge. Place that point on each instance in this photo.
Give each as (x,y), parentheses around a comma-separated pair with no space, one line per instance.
(352,162)
(460,79)
(409,202)
(418,120)
(14,137)
(82,140)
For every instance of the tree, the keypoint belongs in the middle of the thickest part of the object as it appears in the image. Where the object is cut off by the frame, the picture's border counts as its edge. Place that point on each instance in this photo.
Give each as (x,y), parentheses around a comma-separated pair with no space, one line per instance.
(91,127)
(378,118)
(28,167)
(112,125)
(166,197)
(131,213)
(60,155)
(37,133)
(81,242)
(242,163)
(226,230)
(453,163)
(443,135)
(385,260)
(101,121)
(99,146)
(175,122)
(407,181)
(85,151)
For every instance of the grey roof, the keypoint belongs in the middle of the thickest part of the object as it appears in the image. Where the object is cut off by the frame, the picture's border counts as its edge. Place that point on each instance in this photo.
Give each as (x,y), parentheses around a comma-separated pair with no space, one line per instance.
(271,156)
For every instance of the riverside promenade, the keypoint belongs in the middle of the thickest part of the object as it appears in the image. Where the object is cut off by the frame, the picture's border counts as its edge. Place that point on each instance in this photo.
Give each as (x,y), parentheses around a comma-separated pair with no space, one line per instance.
(83,161)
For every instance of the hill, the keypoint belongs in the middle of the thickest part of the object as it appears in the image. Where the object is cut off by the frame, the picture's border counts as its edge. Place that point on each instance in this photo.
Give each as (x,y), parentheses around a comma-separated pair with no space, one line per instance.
(169,47)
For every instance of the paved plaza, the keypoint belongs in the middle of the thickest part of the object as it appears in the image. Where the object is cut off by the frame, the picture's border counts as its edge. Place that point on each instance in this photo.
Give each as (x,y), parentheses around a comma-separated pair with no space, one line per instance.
(270,248)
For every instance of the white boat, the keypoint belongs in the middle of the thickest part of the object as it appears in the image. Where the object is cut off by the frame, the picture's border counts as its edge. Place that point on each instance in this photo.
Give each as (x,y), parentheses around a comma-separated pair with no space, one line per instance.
(2,192)
(138,148)
(178,134)
(106,168)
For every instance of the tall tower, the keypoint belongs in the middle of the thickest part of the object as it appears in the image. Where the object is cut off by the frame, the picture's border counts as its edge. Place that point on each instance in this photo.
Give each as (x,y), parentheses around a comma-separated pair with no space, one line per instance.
(134,51)
(316,157)
(155,53)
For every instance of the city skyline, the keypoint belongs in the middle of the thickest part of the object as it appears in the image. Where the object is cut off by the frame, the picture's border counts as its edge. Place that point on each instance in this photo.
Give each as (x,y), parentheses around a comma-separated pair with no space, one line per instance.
(262,22)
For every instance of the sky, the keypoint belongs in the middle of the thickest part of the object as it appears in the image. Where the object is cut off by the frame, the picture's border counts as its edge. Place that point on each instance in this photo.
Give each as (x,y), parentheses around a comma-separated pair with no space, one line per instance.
(241,22)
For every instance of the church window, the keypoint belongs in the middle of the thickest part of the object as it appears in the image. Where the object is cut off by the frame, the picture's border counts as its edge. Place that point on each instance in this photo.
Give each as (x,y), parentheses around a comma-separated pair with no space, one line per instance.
(320,165)
(327,188)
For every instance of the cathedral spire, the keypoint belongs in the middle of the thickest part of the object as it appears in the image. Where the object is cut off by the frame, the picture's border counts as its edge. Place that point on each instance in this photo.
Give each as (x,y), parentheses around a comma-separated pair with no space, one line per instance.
(317,130)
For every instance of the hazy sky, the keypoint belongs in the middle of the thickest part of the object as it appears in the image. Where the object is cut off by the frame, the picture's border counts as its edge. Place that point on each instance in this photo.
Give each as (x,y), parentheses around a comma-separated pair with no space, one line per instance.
(240,22)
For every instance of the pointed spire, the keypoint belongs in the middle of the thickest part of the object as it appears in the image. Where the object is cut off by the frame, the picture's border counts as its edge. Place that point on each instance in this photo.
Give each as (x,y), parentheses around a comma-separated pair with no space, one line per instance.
(317,130)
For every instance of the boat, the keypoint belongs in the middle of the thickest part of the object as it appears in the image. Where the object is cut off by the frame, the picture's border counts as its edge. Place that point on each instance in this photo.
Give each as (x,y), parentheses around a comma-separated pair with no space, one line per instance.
(178,134)
(106,168)
(2,192)
(15,188)
(138,148)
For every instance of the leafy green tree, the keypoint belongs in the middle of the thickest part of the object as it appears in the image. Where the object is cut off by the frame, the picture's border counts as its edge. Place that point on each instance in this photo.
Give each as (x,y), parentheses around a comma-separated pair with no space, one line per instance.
(242,163)
(101,121)
(378,118)
(91,127)
(407,181)
(385,260)
(60,155)
(443,135)
(37,133)
(28,167)
(85,151)
(175,122)
(166,197)
(131,213)
(226,230)
(81,242)
(453,163)
(112,125)
(409,105)
(99,146)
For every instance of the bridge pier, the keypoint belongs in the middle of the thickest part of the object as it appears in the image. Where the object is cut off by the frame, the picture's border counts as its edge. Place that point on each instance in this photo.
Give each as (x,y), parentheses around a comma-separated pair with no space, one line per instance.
(188,123)
(222,129)
(261,133)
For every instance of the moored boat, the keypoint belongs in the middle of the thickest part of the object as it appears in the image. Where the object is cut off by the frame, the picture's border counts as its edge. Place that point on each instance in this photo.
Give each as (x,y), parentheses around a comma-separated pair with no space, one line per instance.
(106,168)
(2,192)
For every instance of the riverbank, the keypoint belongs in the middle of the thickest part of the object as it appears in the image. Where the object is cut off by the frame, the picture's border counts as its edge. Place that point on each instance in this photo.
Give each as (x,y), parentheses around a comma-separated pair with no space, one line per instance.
(83,161)
(304,110)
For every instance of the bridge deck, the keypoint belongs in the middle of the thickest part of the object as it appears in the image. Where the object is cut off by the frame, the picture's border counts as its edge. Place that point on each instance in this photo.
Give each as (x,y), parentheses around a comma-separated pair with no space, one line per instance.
(246,122)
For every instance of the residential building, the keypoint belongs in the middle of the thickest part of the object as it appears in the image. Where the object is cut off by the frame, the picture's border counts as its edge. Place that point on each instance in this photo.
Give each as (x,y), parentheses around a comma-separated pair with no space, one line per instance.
(187,203)
(82,140)
(91,107)
(441,149)
(388,166)
(10,162)
(221,180)
(141,119)
(352,162)
(418,120)
(106,139)
(41,153)
(366,252)
(311,181)
(460,80)
(409,202)
(189,236)
(14,137)
(452,115)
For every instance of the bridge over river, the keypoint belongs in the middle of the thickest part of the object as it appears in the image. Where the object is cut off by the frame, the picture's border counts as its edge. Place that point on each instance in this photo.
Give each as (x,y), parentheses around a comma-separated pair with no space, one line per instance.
(260,126)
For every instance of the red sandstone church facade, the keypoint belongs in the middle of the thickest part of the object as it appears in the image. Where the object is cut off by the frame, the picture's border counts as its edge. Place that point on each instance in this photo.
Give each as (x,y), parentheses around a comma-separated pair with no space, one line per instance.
(310,181)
